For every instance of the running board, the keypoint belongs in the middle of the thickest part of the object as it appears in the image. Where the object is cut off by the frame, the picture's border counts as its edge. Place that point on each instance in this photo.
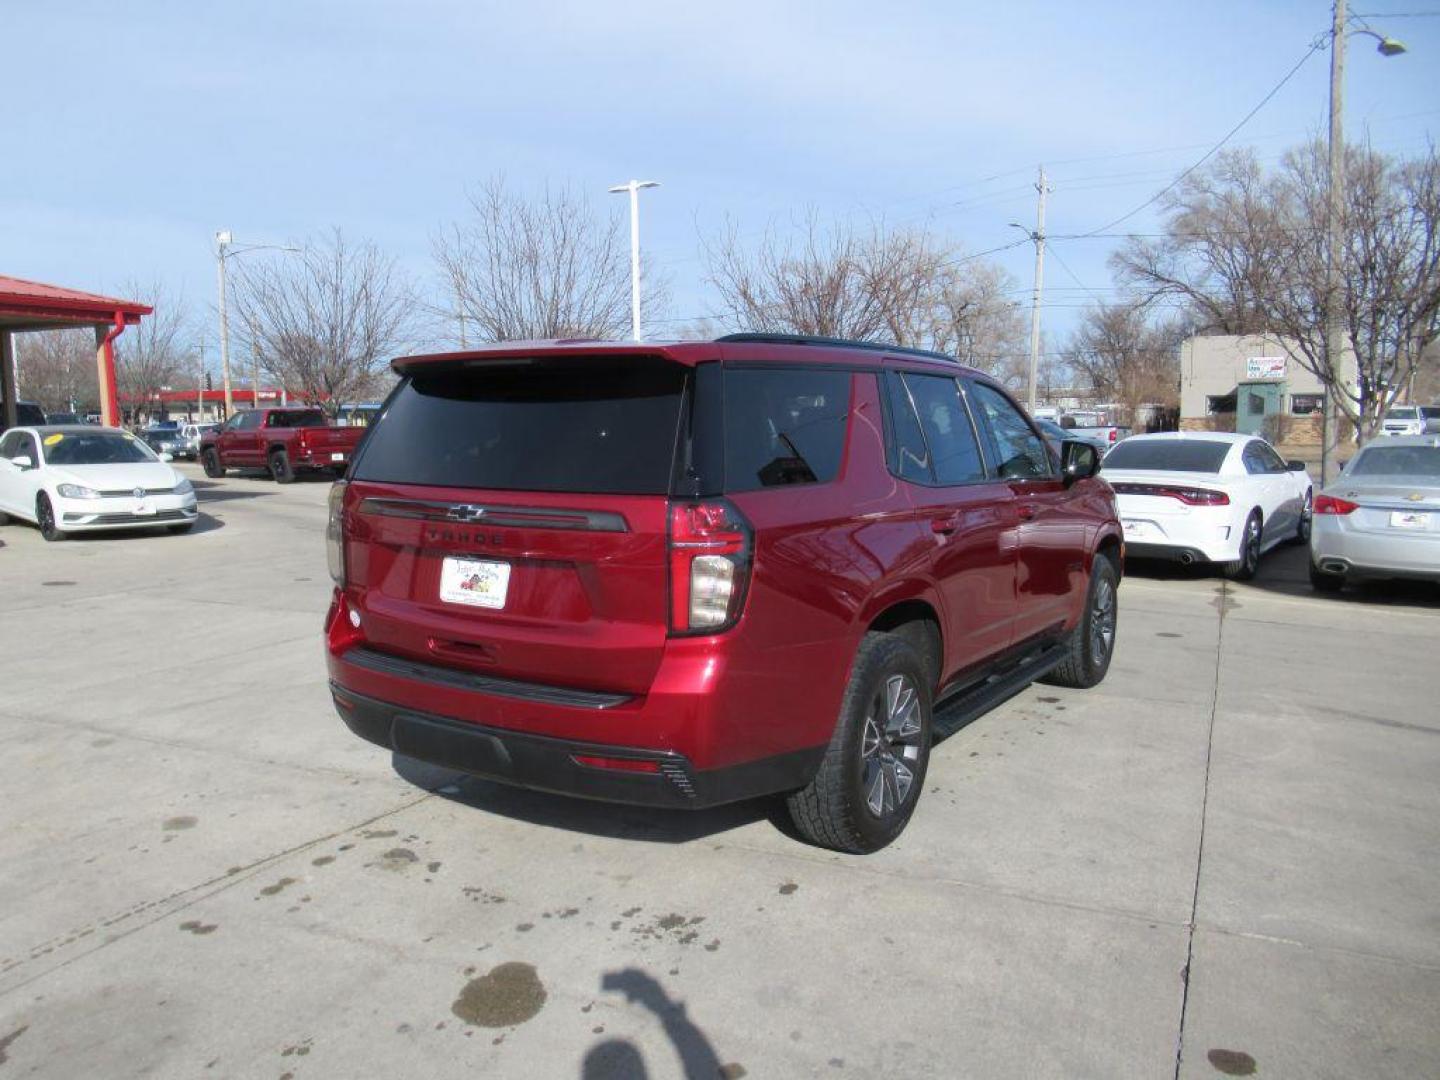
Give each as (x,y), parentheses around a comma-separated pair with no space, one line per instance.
(955,711)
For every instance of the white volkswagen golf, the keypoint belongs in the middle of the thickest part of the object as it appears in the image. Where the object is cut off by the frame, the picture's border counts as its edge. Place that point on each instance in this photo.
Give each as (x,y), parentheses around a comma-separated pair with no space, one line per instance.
(1207,497)
(79,478)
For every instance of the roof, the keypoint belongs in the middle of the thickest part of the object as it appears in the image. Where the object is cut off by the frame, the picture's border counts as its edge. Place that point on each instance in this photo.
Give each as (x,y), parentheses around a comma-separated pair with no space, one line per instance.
(1197,436)
(749,347)
(25,303)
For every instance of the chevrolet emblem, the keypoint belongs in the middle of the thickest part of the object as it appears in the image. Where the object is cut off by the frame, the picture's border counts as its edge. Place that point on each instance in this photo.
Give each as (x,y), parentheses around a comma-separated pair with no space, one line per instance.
(1416,497)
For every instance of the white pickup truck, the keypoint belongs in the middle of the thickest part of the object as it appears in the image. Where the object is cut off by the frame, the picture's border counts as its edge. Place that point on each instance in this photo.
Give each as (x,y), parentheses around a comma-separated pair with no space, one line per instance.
(1092,427)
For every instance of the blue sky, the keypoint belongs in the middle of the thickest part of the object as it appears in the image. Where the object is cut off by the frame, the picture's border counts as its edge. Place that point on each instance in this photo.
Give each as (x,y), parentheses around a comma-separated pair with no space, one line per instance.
(135,131)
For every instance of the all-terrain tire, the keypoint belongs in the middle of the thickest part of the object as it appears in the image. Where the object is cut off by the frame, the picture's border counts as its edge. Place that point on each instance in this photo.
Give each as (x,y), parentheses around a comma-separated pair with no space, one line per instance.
(837,809)
(1243,568)
(280,467)
(210,462)
(1091,644)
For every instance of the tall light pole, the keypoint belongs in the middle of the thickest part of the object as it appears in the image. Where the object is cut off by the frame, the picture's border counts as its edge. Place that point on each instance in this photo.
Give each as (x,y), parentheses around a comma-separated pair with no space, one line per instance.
(224,243)
(633,187)
(1335,219)
(1038,237)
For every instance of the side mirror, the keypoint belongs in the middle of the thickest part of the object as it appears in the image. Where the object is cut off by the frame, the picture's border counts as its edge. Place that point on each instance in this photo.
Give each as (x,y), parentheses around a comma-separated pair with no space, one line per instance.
(1295,466)
(1078,460)
(22,461)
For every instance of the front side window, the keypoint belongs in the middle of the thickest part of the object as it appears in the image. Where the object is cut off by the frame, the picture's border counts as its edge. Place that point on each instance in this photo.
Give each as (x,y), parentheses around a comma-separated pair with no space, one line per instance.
(784,426)
(1021,454)
(954,449)
(14,444)
(1253,458)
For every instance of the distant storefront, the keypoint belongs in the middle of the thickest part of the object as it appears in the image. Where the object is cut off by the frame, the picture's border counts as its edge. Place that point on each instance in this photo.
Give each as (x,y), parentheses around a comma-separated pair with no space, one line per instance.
(1253,384)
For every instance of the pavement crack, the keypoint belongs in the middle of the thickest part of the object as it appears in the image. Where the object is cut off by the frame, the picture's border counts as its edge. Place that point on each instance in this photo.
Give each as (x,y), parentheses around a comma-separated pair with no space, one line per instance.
(1222,604)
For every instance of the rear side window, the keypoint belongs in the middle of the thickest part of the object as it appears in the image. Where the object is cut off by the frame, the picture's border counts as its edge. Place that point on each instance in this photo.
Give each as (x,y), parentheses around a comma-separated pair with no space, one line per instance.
(584,425)
(783,426)
(954,449)
(1169,455)
(910,455)
(304,418)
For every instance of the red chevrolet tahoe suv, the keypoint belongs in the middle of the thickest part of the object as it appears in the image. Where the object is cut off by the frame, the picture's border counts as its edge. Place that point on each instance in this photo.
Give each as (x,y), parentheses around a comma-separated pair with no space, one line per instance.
(686,574)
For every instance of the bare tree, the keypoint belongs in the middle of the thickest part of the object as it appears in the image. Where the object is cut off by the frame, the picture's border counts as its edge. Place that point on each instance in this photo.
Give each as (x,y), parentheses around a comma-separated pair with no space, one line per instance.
(325,323)
(1125,358)
(1246,252)
(151,356)
(57,369)
(548,267)
(869,284)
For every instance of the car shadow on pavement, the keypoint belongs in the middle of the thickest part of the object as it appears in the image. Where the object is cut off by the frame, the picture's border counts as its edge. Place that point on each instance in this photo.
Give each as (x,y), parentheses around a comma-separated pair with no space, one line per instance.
(614,820)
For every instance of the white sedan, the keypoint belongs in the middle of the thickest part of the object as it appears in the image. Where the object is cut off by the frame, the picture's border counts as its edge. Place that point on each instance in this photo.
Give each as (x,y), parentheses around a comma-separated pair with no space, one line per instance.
(1208,497)
(79,478)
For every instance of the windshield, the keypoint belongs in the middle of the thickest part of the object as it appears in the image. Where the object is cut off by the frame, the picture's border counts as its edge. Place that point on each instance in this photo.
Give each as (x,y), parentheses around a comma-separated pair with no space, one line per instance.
(1169,455)
(99,448)
(1397,461)
(1404,412)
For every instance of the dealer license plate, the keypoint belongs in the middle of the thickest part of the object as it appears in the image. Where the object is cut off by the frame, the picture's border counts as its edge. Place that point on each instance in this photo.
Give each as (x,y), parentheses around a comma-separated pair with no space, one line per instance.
(1409,519)
(337,457)
(477,582)
(1136,528)
(143,508)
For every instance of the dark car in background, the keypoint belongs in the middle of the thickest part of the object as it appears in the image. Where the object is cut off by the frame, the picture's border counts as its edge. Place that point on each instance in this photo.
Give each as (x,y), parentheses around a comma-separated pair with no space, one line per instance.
(688,574)
(27,414)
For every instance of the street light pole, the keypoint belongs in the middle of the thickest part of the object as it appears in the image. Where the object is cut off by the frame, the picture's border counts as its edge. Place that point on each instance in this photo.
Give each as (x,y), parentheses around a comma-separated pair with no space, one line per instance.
(1039,236)
(633,187)
(223,239)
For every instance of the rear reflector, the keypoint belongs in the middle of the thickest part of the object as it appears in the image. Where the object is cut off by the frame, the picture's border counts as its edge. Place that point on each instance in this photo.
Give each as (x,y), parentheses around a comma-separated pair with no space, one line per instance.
(1329,504)
(617,764)
(1187,495)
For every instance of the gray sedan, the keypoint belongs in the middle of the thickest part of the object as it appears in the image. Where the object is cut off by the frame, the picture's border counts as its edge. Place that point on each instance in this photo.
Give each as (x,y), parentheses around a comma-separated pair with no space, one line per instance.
(1381,517)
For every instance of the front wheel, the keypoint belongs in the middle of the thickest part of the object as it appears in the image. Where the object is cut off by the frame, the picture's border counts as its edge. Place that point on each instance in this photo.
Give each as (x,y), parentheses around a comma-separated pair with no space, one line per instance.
(1244,568)
(45,518)
(1092,643)
(874,769)
(210,461)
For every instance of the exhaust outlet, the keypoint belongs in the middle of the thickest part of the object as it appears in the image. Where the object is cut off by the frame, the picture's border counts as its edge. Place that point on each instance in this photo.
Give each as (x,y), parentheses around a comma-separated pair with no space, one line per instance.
(1334,566)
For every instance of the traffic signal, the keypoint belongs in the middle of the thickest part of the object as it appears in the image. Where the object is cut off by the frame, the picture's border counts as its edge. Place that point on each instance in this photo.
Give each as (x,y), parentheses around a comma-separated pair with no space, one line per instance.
(207,381)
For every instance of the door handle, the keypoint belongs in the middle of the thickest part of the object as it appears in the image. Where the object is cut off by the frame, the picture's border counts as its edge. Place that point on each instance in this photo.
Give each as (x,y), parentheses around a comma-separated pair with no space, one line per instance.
(1028,511)
(946,525)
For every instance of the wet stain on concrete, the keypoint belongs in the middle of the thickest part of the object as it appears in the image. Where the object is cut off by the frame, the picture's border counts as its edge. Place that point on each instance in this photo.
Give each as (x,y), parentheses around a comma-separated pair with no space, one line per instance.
(174,824)
(279,886)
(1048,700)
(51,584)
(1166,633)
(101,743)
(323,860)
(1232,1062)
(713,946)
(379,834)
(508,995)
(433,867)
(397,859)
(788,889)
(475,893)
(525,927)
(299,1049)
(194,926)
(8,1040)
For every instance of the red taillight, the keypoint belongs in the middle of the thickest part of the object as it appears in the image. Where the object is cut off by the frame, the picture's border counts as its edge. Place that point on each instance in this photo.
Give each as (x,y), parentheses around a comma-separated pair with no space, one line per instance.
(343,630)
(1329,504)
(1114,434)
(709,566)
(1187,495)
(617,764)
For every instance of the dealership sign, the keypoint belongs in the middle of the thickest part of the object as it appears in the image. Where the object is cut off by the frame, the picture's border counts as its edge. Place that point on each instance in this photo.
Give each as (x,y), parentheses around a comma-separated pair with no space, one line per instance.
(1265,367)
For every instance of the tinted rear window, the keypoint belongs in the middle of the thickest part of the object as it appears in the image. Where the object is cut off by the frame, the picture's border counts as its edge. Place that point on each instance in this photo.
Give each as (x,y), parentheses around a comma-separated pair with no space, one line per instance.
(1173,455)
(574,426)
(303,418)
(1397,461)
(783,426)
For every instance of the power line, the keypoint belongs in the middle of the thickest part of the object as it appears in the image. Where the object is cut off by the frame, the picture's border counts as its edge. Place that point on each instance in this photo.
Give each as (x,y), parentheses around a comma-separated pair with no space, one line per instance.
(1314,48)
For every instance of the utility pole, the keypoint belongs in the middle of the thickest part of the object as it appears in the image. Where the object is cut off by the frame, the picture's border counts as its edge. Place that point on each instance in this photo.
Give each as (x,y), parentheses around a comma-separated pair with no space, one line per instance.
(1334,233)
(1039,237)
(200,387)
(222,241)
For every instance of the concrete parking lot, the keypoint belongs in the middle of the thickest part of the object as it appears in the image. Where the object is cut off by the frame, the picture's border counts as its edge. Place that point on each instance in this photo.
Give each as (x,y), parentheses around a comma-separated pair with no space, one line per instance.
(1228,852)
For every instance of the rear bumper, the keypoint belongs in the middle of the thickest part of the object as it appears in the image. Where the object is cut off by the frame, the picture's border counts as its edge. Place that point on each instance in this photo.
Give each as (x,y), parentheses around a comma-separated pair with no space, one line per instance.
(549,764)
(1373,554)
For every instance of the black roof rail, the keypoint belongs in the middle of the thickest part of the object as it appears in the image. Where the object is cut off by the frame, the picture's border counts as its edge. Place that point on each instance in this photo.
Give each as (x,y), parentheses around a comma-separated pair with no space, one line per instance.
(848,343)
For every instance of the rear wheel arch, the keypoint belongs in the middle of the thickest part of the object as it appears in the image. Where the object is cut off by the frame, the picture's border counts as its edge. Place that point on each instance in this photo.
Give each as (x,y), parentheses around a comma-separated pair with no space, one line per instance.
(917,622)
